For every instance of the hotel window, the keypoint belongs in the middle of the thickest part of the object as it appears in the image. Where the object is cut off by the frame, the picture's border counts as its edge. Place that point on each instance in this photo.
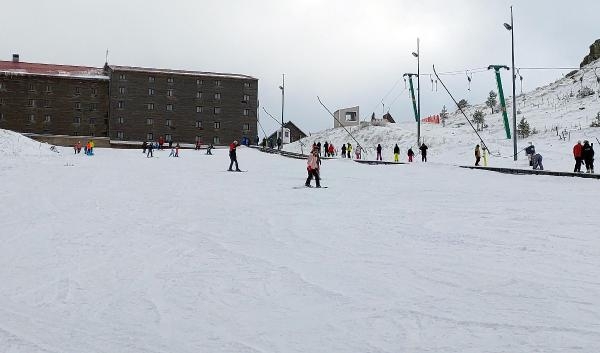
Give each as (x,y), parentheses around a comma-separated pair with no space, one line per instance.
(150,106)
(120,104)
(198,124)
(93,107)
(121,90)
(217,125)
(31,87)
(217,96)
(149,121)
(216,140)
(1,101)
(95,91)
(46,103)
(246,98)
(247,84)
(47,118)
(246,112)
(31,118)
(91,133)
(150,79)
(150,91)
(168,137)
(31,103)
(218,83)
(169,107)
(1,116)
(92,121)
(48,89)
(149,136)
(120,135)
(121,76)
(1,85)
(217,110)
(170,80)
(198,109)
(169,93)
(77,90)
(198,94)
(77,106)
(121,120)
(246,127)
(76,120)
(199,82)
(168,122)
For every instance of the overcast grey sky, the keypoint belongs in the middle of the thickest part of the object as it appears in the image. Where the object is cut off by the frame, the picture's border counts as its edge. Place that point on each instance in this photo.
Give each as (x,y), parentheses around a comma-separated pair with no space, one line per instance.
(348,52)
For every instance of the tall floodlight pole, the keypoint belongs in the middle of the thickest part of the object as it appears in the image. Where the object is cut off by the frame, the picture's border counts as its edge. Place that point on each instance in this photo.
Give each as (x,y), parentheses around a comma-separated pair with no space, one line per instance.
(511,28)
(282,87)
(417,55)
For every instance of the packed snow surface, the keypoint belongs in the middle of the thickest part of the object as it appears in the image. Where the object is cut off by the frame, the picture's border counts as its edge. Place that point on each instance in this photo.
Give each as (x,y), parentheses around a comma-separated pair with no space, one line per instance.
(122,253)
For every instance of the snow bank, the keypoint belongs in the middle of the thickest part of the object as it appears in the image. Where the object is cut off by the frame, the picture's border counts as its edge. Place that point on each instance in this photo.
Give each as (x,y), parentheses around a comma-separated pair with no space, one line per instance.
(17,145)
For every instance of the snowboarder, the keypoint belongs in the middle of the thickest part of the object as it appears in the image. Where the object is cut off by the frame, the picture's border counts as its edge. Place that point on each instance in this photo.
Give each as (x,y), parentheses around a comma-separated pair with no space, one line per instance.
(209,149)
(172,154)
(537,161)
(349,150)
(587,153)
(144,146)
(379,152)
(423,149)
(410,154)
(313,168)
(577,155)
(477,155)
(344,151)
(150,148)
(233,157)
(396,153)
(530,151)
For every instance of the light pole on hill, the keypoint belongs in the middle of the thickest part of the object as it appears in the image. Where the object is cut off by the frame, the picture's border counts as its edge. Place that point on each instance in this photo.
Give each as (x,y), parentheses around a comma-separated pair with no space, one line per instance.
(510,27)
(417,55)
(282,88)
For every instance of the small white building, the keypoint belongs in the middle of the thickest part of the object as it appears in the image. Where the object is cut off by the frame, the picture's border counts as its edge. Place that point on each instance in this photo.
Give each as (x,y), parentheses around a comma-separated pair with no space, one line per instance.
(346,117)
(286,135)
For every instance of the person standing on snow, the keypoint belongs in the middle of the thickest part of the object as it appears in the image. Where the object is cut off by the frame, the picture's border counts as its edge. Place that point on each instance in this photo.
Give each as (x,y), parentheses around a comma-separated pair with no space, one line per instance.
(313,168)
(477,155)
(587,153)
(161,141)
(530,151)
(344,151)
(379,152)
(396,153)
(577,149)
(423,149)
(331,150)
(536,160)
(358,152)
(177,150)
(172,154)
(233,157)
(326,149)
(144,146)
(150,148)
(279,143)
(410,154)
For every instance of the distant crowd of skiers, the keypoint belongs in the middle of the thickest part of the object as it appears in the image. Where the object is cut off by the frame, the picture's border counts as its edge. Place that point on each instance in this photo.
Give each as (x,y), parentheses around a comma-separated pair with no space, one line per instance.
(329,150)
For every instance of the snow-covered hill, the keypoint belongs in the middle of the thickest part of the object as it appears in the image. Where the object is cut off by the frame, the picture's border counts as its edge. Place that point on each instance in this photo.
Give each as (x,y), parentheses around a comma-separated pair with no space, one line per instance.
(15,144)
(552,110)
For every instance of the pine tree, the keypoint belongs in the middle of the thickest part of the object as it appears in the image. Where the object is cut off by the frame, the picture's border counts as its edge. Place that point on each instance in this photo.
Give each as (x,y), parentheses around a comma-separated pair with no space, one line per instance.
(523,128)
(444,115)
(492,101)
(479,119)
(462,104)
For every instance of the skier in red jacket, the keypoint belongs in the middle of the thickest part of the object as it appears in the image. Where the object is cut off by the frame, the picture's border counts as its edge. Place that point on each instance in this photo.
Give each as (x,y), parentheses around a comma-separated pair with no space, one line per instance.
(577,154)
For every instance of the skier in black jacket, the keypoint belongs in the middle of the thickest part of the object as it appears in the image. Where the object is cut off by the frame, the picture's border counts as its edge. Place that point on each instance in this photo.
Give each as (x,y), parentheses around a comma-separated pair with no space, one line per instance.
(423,149)
(587,153)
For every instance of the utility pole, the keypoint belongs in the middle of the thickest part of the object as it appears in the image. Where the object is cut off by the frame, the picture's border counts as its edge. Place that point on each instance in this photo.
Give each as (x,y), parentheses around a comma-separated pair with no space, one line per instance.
(282,87)
(417,55)
(511,28)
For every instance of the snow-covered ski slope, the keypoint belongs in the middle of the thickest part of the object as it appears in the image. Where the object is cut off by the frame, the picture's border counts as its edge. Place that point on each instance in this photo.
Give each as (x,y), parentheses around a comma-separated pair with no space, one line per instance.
(123,253)
(545,108)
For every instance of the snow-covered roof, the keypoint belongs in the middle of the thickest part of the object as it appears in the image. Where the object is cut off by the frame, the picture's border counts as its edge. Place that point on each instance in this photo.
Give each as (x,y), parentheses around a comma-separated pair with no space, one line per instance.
(67,71)
(180,72)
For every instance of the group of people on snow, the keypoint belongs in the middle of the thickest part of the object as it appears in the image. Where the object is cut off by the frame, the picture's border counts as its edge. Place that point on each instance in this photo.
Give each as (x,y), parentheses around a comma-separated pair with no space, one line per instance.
(584,154)
(88,149)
